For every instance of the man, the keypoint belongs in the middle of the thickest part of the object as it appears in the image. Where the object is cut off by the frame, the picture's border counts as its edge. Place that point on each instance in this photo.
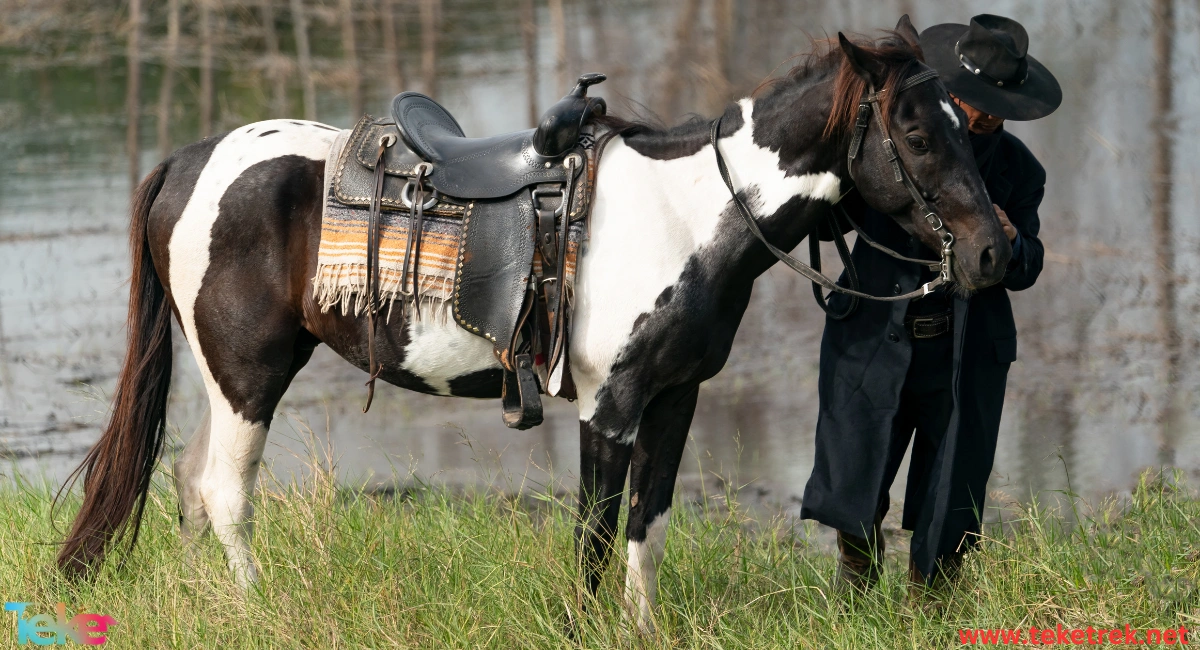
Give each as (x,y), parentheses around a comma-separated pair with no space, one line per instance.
(945,381)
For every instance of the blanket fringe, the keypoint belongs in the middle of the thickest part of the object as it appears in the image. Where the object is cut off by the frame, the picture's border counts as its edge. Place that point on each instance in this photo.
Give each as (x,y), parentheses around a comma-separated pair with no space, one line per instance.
(344,287)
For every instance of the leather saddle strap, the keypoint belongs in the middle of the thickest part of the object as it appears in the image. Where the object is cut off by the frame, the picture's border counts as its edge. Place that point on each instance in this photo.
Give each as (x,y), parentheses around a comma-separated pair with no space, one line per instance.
(373,272)
(412,247)
(558,327)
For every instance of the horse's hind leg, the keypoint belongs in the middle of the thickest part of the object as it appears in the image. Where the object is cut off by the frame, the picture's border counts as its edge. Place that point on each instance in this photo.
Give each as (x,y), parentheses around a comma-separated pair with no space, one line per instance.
(190,464)
(241,411)
(657,452)
(188,470)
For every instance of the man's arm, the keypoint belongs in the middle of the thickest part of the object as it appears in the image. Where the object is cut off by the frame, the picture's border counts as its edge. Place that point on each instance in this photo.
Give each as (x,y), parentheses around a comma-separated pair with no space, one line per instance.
(1022,212)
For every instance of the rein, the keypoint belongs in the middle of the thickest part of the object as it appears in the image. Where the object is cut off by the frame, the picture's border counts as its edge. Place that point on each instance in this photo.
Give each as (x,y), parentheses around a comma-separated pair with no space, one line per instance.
(868,105)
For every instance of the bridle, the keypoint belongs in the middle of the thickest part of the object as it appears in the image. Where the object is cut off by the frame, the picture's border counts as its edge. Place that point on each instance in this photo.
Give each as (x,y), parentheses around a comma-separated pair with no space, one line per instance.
(867,106)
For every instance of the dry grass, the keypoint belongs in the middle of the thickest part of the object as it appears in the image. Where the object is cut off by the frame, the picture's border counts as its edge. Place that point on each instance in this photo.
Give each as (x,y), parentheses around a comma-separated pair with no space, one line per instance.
(430,568)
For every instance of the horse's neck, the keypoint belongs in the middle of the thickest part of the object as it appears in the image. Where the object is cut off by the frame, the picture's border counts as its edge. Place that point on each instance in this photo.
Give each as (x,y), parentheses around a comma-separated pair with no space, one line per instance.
(674,190)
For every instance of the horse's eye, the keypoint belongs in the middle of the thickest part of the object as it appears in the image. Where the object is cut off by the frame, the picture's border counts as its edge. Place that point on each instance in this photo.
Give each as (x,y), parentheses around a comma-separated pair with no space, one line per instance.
(917,143)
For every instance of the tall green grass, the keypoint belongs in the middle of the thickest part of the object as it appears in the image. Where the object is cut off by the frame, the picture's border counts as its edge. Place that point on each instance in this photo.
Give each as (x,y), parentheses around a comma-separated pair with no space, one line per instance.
(433,568)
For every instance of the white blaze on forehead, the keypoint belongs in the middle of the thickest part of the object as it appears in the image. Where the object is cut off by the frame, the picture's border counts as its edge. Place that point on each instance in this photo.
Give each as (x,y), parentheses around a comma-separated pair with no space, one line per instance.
(950,111)
(649,218)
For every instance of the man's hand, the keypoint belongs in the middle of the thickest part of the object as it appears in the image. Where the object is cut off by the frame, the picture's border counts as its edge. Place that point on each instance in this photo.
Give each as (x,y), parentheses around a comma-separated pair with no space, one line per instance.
(1006,224)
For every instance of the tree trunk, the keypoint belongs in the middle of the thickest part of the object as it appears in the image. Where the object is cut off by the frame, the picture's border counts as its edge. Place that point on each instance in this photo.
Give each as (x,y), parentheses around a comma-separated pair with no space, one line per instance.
(391,49)
(674,71)
(430,23)
(350,58)
(1163,126)
(275,69)
(529,45)
(133,88)
(167,88)
(304,59)
(206,68)
(558,22)
(719,87)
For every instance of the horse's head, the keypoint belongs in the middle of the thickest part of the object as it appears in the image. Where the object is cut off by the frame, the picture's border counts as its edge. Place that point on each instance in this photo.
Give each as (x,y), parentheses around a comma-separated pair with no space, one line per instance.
(930,136)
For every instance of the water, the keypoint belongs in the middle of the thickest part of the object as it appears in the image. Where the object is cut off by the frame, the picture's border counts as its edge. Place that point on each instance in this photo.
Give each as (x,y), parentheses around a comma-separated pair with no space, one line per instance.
(1084,398)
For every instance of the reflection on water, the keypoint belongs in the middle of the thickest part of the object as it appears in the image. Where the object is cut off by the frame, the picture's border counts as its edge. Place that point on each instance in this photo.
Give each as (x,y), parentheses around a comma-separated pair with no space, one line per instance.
(1084,396)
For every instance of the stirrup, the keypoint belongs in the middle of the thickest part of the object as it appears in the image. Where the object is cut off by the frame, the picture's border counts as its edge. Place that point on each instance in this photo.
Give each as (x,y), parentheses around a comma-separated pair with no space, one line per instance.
(519,399)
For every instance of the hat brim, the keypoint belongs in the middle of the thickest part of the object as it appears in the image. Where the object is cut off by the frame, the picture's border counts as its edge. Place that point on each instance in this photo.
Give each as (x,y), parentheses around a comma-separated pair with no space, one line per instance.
(1038,97)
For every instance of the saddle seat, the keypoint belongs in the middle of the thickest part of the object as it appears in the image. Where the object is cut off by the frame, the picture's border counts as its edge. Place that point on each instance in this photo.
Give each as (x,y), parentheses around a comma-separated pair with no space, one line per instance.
(495,166)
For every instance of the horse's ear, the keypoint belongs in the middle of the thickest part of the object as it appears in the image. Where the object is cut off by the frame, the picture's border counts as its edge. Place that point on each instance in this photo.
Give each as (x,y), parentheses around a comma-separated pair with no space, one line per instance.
(863,62)
(906,31)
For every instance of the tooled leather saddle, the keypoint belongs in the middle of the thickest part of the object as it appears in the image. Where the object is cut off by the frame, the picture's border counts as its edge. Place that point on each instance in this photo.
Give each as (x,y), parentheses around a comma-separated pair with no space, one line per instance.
(518,194)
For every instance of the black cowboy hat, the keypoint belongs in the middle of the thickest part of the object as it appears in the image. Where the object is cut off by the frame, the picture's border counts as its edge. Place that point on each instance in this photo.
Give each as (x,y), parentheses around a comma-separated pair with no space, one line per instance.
(985,64)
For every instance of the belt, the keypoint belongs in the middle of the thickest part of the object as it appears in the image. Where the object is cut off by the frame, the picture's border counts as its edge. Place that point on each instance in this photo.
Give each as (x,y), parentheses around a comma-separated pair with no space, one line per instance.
(928,327)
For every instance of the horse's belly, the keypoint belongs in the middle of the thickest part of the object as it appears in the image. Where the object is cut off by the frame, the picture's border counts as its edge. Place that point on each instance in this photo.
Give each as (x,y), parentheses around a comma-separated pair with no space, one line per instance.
(450,360)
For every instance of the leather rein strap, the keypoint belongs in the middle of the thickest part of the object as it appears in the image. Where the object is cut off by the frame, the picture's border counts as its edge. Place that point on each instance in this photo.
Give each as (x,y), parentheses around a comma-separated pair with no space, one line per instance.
(869,105)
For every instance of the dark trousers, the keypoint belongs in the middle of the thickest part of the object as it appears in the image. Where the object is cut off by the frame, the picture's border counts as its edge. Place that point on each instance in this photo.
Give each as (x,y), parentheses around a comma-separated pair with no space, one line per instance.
(926,403)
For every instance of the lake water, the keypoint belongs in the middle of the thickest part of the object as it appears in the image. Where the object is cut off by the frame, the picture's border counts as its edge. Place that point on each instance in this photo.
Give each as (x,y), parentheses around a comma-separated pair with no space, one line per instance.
(1085,396)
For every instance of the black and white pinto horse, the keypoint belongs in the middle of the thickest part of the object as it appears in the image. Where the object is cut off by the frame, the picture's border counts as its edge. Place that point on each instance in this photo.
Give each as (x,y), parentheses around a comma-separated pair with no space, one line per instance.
(225,234)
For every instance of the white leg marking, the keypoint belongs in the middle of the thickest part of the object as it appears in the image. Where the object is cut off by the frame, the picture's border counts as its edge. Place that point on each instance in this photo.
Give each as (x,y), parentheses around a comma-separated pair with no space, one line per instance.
(641,578)
(950,111)
(234,450)
(229,474)
(660,213)
(439,350)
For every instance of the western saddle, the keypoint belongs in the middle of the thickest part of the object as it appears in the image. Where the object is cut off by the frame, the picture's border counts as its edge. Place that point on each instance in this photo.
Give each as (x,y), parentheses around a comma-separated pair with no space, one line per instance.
(518,194)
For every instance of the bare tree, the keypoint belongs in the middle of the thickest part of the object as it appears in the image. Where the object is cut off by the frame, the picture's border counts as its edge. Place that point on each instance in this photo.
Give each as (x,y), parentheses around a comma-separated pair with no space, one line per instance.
(529,45)
(558,22)
(167,88)
(430,22)
(133,90)
(275,69)
(1161,182)
(391,50)
(304,59)
(672,69)
(206,68)
(350,57)
(718,86)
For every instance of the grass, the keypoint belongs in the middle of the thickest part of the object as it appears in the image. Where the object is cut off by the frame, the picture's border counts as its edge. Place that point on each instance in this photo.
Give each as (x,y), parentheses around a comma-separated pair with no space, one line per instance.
(431,568)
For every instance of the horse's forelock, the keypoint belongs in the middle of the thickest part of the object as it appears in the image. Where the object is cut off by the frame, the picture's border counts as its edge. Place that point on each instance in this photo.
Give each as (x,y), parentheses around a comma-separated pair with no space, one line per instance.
(898,57)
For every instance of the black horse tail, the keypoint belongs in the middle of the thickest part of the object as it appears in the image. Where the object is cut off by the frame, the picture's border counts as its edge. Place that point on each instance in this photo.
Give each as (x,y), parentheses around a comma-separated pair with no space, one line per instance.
(118,469)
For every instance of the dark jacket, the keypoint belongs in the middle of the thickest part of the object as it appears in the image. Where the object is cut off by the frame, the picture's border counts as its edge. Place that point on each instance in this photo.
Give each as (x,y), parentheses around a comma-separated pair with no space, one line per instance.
(864,360)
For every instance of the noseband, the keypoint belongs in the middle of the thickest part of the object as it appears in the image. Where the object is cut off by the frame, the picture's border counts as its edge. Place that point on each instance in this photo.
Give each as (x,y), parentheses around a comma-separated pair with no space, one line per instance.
(868,105)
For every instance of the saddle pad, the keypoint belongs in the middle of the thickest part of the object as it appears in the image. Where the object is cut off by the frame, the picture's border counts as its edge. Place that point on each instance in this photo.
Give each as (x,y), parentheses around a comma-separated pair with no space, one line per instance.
(341,278)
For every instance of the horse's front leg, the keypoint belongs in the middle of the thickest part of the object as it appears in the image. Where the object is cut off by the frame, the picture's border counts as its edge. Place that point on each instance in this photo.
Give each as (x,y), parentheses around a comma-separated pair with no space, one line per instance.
(657,452)
(603,464)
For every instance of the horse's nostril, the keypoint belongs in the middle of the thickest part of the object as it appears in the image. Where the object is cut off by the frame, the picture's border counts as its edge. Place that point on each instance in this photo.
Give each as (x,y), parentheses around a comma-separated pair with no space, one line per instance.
(989,261)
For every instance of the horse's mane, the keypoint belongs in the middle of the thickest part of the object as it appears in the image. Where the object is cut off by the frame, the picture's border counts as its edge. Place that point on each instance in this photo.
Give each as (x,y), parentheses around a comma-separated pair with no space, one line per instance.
(824,57)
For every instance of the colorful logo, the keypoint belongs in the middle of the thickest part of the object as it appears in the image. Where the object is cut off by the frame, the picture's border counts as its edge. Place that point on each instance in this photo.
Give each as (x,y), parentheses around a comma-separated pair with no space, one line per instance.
(45,629)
